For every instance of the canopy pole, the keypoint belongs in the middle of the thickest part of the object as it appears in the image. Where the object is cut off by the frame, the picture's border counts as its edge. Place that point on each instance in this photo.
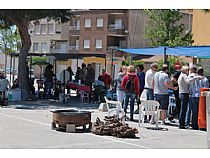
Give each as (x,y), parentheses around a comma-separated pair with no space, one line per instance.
(30,66)
(105,63)
(77,62)
(165,56)
(112,60)
(55,62)
(13,77)
(10,69)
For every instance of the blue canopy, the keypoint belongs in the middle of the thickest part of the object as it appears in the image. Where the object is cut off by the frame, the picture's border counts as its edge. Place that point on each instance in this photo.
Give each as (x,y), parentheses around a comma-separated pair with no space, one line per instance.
(198,51)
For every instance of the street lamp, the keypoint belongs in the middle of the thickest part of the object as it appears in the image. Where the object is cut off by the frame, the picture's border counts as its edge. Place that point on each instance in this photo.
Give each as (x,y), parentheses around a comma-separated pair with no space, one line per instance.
(129,46)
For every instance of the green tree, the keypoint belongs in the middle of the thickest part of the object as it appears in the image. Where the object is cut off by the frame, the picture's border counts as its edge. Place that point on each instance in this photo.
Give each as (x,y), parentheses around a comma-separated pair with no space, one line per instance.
(171,61)
(21,19)
(138,62)
(39,61)
(9,39)
(164,29)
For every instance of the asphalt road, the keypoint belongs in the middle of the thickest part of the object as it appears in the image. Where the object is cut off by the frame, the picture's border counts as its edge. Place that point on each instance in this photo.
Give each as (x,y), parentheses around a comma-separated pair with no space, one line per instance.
(31,129)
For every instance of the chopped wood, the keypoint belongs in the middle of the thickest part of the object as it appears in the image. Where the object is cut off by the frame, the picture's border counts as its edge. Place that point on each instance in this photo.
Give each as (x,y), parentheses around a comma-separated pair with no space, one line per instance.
(113,127)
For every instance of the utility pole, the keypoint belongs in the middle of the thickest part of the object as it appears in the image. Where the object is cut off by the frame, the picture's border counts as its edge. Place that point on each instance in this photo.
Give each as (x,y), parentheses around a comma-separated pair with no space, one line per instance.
(129,45)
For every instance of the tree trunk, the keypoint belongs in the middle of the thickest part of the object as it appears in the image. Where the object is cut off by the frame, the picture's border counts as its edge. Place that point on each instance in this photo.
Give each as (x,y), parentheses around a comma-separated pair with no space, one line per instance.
(22,65)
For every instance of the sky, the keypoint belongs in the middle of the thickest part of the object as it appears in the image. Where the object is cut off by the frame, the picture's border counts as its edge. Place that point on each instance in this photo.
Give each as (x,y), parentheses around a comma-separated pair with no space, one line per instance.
(106,4)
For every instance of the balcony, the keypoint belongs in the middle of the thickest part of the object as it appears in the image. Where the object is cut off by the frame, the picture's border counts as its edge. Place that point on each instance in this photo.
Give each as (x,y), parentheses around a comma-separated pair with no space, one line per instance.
(116,30)
(74,30)
(73,48)
(115,47)
(58,51)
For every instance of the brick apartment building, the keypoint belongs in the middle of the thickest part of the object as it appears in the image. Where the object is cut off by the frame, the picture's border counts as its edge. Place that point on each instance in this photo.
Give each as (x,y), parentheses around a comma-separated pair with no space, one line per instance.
(92,32)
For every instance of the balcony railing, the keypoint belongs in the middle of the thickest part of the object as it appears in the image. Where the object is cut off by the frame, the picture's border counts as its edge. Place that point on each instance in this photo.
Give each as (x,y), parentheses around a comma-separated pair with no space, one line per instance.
(74,48)
(116,27)
(115,47)
(58,51)
(74,28)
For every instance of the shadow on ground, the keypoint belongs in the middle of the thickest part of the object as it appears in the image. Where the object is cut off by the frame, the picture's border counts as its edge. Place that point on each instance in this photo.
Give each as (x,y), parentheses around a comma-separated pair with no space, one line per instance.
(72,102)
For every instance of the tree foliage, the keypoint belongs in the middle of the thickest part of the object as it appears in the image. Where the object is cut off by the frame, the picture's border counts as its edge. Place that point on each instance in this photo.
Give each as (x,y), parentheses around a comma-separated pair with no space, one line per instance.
(138,62)
(164,29)
(39,61)
(21,19)
(9,40)
(171,62)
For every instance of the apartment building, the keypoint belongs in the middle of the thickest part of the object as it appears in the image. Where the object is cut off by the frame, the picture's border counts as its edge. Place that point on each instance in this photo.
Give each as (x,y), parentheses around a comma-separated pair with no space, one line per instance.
(92,32)
(49,36)
(98,32)
(88,32)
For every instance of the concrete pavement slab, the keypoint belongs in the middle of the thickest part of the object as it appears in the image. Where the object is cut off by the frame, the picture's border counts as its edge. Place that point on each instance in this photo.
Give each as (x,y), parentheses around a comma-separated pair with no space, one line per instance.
(30,127)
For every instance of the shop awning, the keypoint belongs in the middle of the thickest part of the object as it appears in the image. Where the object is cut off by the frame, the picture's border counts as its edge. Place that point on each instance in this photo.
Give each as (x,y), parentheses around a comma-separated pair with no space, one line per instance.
(65,56)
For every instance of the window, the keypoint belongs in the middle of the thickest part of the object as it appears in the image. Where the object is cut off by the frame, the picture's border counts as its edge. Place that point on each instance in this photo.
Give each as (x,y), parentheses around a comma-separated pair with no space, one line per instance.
(44,47)
(43,29)
(86,44)
(37,29)
(98,43)
(58,28)
(118,23)
(35,47)
(78,25)
(50,29)
(77,44)
(87,22)
(99,22)
(63,47)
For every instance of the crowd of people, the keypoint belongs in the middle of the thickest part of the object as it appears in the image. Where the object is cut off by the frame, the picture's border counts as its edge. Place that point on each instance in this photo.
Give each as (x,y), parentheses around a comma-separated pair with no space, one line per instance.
(84,75)
(184,82)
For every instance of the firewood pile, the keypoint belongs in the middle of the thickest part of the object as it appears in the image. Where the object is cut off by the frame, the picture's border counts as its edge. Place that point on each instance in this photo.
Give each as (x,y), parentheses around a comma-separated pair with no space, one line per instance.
(113,127)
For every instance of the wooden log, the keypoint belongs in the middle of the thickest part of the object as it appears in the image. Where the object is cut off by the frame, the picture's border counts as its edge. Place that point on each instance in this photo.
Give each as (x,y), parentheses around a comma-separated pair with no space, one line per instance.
(113,127)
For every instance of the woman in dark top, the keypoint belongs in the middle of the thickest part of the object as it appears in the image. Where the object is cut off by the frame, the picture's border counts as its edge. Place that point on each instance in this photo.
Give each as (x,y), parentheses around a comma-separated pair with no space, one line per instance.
(176,110)
(48,74)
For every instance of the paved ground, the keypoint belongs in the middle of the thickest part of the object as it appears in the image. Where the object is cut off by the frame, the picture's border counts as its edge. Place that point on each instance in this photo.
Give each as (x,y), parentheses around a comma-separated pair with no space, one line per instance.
(26,125)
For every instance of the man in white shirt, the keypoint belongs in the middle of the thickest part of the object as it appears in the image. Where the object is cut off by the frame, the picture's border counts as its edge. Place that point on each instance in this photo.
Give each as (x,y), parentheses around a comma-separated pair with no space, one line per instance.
(204,82)
(148,81)
(184,92)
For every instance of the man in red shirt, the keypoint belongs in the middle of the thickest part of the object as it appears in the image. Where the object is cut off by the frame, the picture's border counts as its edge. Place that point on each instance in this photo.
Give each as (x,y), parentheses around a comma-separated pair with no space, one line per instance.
(106,79)
(130,84)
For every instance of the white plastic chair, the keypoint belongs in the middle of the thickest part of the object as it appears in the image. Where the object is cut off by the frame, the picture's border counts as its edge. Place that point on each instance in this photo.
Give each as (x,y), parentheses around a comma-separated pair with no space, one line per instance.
(172,104)
(149,107)
(143,96)
(117,106)
(84,96)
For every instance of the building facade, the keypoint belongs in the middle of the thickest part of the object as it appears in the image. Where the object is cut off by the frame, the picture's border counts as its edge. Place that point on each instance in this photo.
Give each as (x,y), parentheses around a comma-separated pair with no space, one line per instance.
(201,35)
(92,32)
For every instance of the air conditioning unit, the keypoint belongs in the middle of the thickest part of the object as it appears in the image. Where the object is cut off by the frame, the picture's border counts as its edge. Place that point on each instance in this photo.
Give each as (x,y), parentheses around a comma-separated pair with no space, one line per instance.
(52,47)
(52,42)
(30,31)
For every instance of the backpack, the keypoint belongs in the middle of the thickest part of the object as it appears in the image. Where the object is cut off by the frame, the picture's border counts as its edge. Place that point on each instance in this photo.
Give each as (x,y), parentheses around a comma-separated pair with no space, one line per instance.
(130,87)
